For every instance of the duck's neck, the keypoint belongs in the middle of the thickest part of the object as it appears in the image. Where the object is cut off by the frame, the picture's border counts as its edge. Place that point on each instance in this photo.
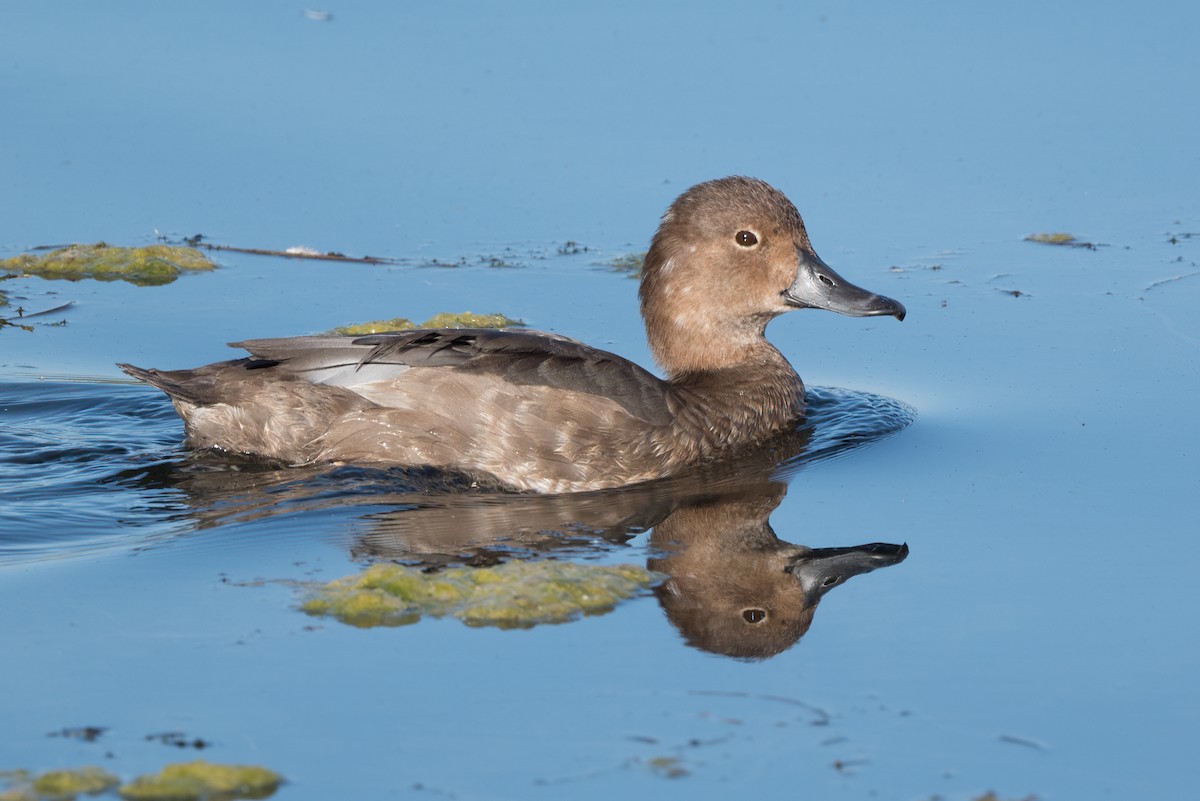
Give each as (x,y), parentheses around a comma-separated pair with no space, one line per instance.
(745,402)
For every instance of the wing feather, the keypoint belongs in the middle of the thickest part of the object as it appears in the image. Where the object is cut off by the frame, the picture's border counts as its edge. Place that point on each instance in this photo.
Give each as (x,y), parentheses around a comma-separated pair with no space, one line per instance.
(522,358)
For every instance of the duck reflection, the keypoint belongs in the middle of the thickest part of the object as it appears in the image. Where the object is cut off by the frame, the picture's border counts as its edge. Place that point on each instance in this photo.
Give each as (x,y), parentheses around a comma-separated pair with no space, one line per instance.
(734,588)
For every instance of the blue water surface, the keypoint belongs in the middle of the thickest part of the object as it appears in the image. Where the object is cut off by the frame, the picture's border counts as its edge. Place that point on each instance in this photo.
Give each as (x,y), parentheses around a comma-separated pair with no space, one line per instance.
(1038,456)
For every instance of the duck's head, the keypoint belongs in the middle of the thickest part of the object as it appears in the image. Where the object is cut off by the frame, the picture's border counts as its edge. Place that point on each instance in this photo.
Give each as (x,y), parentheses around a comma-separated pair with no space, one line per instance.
(729,256)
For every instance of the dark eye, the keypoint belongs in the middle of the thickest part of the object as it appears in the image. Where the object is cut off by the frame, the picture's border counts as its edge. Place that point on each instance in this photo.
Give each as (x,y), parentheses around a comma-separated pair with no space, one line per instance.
(754,615)
(746,239)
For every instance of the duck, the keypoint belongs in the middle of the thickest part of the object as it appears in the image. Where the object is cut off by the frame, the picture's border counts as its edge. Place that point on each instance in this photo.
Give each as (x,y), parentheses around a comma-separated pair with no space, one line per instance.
(532,411)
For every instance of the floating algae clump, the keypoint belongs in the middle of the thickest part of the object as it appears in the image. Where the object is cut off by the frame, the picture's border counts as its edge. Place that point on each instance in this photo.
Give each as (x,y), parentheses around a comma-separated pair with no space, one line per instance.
(1051,239)
(512,595)
(203,781)
(443,320)
(469,320)
(70,783)
(152,265)
(56,785)
(375,327)
(16,786)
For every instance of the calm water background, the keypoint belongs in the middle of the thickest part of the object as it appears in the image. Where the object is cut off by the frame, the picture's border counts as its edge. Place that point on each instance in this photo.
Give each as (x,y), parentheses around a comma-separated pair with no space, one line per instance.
(1039,639)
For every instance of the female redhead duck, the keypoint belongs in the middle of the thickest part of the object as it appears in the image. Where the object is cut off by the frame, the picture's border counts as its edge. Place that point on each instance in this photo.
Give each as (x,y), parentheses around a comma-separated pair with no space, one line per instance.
(540,412)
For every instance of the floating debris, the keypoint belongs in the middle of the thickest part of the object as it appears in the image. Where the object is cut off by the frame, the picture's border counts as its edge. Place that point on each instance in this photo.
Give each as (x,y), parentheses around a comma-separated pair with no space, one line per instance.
(571,248)
(443,320)
(295,252)
(1025,741)
(630,263)
(178,739)
(89,734)
(498,262)
(202,781)
(516,595)
(152,265)
(19,322)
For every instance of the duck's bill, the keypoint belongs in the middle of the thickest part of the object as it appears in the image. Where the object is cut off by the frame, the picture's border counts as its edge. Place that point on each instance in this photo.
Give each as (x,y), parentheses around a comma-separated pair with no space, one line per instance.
(817,286)
(821,569)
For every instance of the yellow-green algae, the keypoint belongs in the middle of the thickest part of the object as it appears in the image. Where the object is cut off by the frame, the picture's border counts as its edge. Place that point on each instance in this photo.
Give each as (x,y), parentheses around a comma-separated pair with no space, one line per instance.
(668,767)
(151,265)
(17,786)
(442,320)
(508,596)
(66,784)
(203,781)
(56,785)
(1058,238)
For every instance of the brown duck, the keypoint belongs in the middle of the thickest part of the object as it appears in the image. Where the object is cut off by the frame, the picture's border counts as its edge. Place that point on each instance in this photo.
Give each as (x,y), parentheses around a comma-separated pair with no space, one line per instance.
(540,412)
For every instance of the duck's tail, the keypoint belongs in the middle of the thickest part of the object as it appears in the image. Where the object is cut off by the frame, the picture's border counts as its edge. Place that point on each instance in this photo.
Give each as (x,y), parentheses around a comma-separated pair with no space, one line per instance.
(176,383)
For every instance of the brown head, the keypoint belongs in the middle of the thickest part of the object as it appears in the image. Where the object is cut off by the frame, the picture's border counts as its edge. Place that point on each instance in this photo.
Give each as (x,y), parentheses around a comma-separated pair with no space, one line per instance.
(728,257)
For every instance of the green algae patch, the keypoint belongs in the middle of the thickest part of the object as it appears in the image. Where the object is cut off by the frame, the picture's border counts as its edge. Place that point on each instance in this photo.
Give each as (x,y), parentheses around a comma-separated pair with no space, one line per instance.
(1051,239)
(515,595)
(56,785)
(1062,240)
(469,320)
(203,781)
(152,265)
(375,327)
(16,786)
(443,320)
(66,784)
(668,767)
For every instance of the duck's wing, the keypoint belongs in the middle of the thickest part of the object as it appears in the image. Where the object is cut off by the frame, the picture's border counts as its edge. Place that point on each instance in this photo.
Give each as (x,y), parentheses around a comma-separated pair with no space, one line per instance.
(522,358)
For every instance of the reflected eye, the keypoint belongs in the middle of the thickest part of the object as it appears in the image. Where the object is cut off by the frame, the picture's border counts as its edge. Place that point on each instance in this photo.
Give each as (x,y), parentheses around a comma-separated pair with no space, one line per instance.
(746,239)
(754,615)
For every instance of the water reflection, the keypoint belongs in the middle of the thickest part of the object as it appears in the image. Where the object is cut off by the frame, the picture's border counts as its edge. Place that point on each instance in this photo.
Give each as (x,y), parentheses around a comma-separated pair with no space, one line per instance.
(737,589)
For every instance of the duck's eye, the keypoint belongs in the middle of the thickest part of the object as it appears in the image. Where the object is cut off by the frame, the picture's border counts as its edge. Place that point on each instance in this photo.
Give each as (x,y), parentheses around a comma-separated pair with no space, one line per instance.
(754,615)
(746,239)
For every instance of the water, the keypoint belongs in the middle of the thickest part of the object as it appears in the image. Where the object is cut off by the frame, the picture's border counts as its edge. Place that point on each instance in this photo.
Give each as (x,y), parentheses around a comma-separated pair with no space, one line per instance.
(1037,639)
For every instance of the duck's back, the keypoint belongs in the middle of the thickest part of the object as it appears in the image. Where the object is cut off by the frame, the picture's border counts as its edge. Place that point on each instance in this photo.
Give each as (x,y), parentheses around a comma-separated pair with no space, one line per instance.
(533,410)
